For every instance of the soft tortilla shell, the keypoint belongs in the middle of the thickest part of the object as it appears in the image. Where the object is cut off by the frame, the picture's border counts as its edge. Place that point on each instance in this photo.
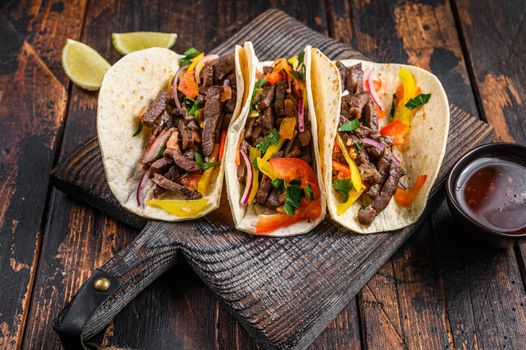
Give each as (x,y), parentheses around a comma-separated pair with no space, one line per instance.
(245,219)
(424,152)
(127,87)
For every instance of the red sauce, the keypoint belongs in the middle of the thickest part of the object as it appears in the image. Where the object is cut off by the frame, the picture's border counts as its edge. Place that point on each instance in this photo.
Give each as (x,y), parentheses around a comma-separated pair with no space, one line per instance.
(492,191)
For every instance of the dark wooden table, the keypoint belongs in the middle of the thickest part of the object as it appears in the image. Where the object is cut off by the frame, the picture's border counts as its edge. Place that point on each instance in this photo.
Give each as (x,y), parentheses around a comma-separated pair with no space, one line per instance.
(439,291)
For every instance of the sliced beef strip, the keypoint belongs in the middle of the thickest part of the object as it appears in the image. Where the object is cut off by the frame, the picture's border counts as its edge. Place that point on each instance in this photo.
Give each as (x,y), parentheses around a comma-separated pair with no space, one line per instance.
(207,75)
(267,69)
(161,165)
(157,191)
(266,121)
(343,73)
(264,190)
(175,187)
(369,173)
(354,81)
(363,131)
(381,201)
(212,115)
(227,117)
(155,108)
(352,105)
(295,152)
(183,113)
(230,105)
(223,66)
(174,151)
(362,158)
(241,169)
(290,105)
(370,117)
(265,97)
(187,138)
(273,199)
(280,99)
(248,128)
(304,137)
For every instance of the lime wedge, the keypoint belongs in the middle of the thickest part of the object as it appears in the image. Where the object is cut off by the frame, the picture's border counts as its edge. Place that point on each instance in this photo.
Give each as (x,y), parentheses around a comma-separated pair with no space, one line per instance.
(83,65)
(125,43)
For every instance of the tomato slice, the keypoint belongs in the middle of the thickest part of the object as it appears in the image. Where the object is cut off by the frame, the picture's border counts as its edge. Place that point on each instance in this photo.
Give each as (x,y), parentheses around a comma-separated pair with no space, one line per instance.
(290,169)
(398,130)
(268,223)
(406,197)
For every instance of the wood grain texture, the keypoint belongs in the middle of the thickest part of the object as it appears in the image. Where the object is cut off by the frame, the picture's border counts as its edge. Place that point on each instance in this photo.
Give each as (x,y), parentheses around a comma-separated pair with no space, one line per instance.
(28,128)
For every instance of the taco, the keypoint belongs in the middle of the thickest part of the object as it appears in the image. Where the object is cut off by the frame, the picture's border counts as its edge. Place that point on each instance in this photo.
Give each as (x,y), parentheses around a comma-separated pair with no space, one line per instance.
(384,129)
(272,161)
(162,121)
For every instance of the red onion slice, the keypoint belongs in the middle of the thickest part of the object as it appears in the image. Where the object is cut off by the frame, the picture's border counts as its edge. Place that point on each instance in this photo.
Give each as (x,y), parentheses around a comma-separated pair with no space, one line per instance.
(374,95)
(396,160)
(373,143)
(345,93)
(199,66)
(226,82)
(250,176)
(173,89)
(140,188)
(301,120)
(288,88)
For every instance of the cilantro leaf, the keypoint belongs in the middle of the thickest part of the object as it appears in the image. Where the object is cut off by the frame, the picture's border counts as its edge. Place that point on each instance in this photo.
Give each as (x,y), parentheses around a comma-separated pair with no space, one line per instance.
(202,164)
(342,186)
(261,81)
(309,194)
(292,200)
(272,138)
(301,55)
(160,153)
(420,100)
(298,75)
(350,126)
(194,109)
(393,105)
(279,184)
(189,55)
(295,183)
(358,145)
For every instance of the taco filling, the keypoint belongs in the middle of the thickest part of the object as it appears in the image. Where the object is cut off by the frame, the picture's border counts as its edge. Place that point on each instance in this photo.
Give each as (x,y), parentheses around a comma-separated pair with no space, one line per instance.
(364,165)
(275,157)
(186,126)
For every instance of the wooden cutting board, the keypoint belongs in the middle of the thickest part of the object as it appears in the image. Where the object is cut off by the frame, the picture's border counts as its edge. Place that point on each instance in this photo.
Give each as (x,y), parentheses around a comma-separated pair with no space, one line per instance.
(284,291)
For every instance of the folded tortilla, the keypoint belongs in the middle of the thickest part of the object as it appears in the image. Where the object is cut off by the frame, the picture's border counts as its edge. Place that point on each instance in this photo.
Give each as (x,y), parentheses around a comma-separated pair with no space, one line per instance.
(423,154)
(245,218)
(128,86)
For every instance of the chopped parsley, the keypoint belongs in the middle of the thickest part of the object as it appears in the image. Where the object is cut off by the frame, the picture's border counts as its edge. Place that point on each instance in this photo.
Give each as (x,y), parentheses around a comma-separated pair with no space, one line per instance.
(420,100)
(270,139)
(201,164)
(293,198)
(350,126)
(342,186)
(278,183)
(160,153)
(358,145)
(261,81)
(189,55)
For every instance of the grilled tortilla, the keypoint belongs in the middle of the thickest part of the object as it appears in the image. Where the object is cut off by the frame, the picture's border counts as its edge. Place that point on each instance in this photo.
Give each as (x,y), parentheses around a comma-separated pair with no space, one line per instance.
(129,87)
(422,154)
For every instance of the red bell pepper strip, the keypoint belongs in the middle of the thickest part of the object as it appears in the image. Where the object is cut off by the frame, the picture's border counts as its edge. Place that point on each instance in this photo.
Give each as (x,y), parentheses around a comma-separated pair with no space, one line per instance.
(408,196)
(222,145)
(341,168)
(268,223)
(397,130)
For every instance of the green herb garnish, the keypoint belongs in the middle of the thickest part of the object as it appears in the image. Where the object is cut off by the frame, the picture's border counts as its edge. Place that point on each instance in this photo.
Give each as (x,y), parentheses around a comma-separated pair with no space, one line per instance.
(350,126)
(194,109)
(202,164)
(301,55)
(189,55)
(393,104)
(278,183)
(139,129)
(308,192)
(160,153)
(261,81)
(292,200)
(342,186)
(358,145)
(270,139)
(420,100)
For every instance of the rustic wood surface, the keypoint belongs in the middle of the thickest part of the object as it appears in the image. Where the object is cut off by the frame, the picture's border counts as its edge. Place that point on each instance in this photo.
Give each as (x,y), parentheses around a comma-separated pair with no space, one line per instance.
(438,290)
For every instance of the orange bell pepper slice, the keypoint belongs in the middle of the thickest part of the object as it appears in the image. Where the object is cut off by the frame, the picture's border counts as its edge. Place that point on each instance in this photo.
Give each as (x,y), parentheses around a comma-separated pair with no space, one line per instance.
(397,130)
(406,197)
(222,145)
(188,85)
(190,180)
(341,168)
(276,74)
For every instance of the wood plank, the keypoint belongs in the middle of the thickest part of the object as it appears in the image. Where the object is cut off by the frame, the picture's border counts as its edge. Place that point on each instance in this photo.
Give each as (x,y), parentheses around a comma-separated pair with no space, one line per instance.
(32,105)
(495,38)
(45,25)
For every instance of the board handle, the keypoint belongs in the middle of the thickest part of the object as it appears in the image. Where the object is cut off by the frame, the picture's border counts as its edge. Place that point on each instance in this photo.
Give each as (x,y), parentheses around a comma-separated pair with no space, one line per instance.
(115,284)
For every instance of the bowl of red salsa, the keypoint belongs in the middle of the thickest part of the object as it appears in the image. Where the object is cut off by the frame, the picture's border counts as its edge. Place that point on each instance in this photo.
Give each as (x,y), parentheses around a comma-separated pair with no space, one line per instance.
(486,193)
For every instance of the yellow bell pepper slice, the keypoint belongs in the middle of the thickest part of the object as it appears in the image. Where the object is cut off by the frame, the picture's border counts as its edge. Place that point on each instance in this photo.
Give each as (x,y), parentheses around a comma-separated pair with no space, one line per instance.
(265,167)
(195,61)
(356,178)
(293,60)
(402,113)
(180,207)
(204,181)
(286,128)
(353,196)
(254,154)
(273,148)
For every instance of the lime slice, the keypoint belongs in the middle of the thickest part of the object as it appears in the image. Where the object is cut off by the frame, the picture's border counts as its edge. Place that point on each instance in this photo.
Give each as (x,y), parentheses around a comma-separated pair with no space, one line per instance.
(83,65)
(125,43)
